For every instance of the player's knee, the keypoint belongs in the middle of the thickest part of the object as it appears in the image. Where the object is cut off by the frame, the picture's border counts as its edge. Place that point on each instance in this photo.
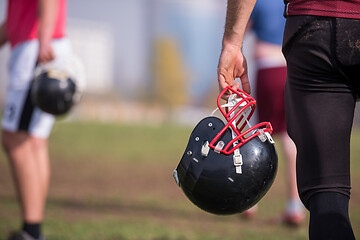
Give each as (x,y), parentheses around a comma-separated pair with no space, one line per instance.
(39,143)
(304,198)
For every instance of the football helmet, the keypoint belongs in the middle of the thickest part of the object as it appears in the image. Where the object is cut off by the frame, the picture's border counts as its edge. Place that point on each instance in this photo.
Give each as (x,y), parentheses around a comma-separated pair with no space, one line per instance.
(58,86)
(227,167)
(53,91)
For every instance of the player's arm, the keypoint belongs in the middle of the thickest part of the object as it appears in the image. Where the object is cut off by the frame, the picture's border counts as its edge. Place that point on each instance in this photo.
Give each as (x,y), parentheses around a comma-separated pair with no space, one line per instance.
(232,63)
(47,11)
(3,34)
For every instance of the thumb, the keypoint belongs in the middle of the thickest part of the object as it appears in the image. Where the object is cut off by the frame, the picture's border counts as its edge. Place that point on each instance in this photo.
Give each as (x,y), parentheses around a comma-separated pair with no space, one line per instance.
(245,83)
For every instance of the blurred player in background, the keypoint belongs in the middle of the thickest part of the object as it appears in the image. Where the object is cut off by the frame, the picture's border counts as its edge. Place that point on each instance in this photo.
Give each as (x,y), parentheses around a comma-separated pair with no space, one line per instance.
(323,67)
(268,22)
(35,30)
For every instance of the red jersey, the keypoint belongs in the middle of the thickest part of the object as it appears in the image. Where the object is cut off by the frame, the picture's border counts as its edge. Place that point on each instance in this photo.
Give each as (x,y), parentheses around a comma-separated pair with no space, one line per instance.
(23,21)
(326,8)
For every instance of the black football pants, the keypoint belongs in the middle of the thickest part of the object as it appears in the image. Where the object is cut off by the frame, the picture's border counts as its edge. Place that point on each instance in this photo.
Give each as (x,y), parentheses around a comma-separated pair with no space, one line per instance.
(323,67)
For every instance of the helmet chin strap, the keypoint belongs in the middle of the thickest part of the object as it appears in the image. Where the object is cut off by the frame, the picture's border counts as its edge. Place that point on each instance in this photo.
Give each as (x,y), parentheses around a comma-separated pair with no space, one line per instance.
(237,157)
(231,103)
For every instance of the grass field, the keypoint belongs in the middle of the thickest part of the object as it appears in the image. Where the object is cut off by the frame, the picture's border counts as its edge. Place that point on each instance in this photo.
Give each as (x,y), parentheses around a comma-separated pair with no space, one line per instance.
(114,182)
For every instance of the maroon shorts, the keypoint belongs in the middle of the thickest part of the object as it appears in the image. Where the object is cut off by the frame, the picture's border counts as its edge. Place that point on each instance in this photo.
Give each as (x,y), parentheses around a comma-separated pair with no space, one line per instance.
(270,97)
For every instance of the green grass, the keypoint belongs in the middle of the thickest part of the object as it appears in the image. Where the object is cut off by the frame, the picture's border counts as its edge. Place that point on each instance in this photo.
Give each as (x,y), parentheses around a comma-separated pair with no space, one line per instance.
(135,143)
(113,182)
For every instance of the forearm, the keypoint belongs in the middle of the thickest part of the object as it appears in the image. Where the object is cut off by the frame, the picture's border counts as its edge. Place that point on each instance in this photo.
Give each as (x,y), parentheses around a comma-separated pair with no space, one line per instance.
(237,17)
(232,63)
(47,10)
(3,34)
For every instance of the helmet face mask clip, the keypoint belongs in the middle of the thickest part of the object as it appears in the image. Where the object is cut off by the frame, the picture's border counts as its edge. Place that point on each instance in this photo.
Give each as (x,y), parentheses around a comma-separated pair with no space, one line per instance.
(228,166)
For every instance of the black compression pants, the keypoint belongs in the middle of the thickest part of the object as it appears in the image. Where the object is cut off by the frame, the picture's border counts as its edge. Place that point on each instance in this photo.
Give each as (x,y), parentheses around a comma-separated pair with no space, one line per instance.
(322,85)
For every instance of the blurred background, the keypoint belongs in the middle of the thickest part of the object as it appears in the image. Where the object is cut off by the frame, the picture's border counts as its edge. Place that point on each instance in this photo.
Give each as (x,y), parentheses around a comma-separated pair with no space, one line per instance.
(160,52)
(145,60)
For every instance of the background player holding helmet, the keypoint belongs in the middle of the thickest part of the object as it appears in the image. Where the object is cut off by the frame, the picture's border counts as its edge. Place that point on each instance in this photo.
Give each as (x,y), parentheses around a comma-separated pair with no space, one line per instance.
(36,31)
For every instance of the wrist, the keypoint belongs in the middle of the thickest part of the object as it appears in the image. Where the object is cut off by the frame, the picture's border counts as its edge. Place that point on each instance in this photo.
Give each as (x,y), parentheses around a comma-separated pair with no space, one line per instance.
(232,44)
(44,39)
(232,38)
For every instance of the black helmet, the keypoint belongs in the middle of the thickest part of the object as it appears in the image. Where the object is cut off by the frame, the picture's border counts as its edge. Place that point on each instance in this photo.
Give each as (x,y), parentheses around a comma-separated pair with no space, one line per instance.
(226,168)
(53,91)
